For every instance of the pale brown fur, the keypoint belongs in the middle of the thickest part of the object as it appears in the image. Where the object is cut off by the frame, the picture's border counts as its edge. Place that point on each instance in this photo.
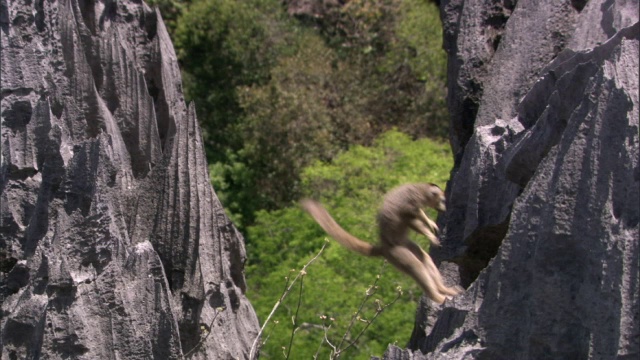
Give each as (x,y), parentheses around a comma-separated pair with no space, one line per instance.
(401,210)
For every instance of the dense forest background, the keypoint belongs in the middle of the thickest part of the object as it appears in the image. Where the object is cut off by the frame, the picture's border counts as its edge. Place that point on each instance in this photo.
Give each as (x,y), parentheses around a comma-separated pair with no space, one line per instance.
(339,101)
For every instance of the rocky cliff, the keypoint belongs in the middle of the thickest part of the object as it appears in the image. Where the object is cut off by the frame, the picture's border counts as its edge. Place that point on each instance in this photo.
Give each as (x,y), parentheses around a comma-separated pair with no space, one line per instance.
(543,204)
(113,243)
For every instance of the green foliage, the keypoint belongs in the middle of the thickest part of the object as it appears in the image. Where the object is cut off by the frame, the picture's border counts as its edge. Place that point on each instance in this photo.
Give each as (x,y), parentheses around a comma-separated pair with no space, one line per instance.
(362,26)
(298,117)
(351,188)
(220,44)
(274,94)
(416,68)
(397,47)
(420,32)
(286,119)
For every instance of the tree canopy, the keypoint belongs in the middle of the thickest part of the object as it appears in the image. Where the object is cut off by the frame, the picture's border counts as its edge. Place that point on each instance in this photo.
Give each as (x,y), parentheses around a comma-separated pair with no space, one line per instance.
(275,92)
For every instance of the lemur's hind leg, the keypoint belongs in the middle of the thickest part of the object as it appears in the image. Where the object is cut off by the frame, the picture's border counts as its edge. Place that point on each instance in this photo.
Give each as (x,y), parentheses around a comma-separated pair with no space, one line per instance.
(406,261)
(432,270)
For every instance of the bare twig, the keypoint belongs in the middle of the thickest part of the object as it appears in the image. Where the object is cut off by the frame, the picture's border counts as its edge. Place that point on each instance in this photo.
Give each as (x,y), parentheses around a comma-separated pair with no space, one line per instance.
(295,317)
(275,323)
(325,338)
(379,311)
(368,294)
(253,352)
(338,350)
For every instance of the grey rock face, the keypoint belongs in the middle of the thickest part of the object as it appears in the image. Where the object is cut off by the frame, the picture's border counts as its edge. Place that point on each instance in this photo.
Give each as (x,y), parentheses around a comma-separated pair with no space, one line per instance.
(113,243)
(543,204)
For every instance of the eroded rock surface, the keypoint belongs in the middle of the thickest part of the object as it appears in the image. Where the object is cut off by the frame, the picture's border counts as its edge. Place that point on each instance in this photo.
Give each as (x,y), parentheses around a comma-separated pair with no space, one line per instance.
(113,243)
(543,204)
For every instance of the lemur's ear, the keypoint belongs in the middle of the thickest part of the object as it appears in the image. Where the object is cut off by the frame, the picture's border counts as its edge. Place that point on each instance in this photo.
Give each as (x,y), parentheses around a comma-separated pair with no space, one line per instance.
(432,184)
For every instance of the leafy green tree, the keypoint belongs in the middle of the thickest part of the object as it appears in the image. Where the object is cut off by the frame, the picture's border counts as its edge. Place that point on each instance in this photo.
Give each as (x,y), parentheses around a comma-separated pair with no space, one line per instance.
(351,187)
(406,76)
(274,94)
(221,46)
(296,118)
(416,68)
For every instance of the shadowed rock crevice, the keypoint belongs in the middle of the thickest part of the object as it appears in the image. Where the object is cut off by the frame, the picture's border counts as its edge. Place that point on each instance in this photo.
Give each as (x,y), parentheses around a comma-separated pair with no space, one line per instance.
(111,237)
(481,247)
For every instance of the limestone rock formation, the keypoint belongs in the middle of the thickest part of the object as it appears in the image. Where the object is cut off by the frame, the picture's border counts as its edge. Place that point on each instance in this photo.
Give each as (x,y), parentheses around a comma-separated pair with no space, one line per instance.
(113,244)
(543,204)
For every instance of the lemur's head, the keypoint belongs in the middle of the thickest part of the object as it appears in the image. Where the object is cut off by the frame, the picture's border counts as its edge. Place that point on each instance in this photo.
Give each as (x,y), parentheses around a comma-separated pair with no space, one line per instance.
(434,197)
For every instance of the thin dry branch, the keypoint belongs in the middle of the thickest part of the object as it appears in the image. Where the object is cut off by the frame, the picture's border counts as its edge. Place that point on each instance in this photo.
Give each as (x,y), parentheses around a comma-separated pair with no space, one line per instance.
(254,346)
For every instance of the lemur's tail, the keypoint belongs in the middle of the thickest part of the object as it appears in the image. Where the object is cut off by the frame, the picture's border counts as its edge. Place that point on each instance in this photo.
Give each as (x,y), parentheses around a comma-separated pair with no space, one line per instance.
(322,217)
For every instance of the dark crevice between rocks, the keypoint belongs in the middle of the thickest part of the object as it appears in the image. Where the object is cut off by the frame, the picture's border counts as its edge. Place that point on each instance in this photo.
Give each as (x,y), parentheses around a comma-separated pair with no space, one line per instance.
(579,4)
(151,62)
(496,20)
(6,262)
(79,185)
(87,10)
(165,124)
(18,115)
(61,295)
(176,280)
(23,332)
(40,16)
(110,94)
(190,323)
(463,129)
(4,19)
(607,18)
(237,260)
(234,299)
(18,92)
(149,22)
(559,40)
(109,14)
(9,282)
(216,298)
(482,246)
(17,278)
(20,174)
(468,336)
(69,347)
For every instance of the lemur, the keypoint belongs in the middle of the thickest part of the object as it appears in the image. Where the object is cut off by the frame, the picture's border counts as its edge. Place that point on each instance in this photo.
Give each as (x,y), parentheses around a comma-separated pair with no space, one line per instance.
(400,211)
